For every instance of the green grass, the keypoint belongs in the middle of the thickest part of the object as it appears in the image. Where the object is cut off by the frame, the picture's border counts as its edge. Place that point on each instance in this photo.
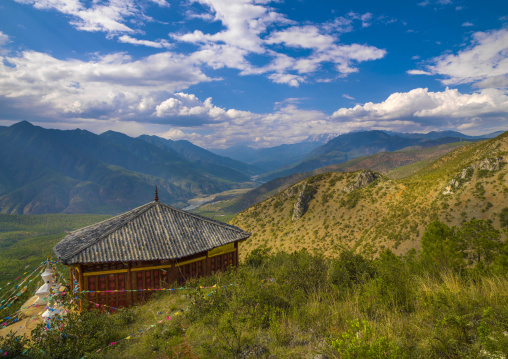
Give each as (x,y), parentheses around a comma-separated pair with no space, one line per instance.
(351,307)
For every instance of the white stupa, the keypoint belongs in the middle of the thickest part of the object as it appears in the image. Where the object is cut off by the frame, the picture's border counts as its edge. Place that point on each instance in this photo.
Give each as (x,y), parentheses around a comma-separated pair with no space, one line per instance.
(51,311)
(43,291)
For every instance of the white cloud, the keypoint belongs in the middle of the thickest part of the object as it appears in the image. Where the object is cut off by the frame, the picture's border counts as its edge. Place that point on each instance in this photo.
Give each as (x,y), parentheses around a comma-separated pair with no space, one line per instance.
(287,124)
(437,2)
(324,50)
(418,72)
(467,24)
(486,59)
(291,80)
(366,19)
(348,97)
(218,56)
(4,40)
(244,20)
(157,44)
(109,16)
(248,29)
(173,134)
(111,86)
(419,106)
(302,36)
(500,81)
(187,105)
(161,3)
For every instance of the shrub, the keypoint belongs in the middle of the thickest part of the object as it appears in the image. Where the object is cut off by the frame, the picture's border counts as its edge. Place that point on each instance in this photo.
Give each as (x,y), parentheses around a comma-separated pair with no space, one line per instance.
(299,275)
(503,217)
(492,333)
(441,248)
(257,257)
(359,341)
(350,269)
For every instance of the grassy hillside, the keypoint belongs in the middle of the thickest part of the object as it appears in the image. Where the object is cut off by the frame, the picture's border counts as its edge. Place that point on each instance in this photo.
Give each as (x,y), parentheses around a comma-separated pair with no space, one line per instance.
(387,213)
(298,305)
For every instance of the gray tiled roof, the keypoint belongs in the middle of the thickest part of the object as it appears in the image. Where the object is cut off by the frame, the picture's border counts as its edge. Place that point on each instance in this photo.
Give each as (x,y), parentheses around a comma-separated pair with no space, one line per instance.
(150,232)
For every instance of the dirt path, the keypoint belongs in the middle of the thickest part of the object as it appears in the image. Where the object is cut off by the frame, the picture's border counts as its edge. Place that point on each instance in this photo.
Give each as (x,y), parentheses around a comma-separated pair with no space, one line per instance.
(30,318)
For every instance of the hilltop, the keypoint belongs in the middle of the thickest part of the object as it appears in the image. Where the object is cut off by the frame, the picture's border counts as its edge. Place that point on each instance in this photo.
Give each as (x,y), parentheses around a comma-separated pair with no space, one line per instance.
(398,164)
(368,212)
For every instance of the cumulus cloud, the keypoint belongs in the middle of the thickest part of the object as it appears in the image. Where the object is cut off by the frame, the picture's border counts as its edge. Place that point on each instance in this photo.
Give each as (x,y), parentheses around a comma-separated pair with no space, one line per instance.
(188,108)
(484,62)
(110,86)
(420,107)
(244,22)
(286,124)
(218,56)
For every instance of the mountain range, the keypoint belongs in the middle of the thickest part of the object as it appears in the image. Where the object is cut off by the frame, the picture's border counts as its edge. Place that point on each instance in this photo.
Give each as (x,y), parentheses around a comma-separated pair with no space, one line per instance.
(52,171)
(272,158)
(76,171)
(358,144)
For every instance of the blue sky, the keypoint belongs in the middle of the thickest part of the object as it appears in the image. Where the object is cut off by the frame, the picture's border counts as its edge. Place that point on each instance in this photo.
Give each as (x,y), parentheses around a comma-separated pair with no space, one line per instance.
(261,73)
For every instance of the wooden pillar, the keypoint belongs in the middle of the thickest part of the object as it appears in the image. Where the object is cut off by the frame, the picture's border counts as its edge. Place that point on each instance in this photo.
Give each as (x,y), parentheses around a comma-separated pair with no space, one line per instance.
(172,273)
(235,257)
(72,280)
(81,278)
(81,284)
(106,284)
(128,286)
(207,265)
(143,295)
(117,294)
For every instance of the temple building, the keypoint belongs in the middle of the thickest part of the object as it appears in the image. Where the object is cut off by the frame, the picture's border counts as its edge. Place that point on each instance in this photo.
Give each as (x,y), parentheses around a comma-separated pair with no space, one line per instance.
(150,247)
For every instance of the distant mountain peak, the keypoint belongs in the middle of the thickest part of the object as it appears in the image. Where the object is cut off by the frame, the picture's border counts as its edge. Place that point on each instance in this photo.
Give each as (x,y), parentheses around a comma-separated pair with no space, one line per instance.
(322,138)
(22,124)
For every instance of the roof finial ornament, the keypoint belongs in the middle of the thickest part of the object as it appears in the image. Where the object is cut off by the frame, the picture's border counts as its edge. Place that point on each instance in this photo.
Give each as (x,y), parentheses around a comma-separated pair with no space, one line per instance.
(156,198)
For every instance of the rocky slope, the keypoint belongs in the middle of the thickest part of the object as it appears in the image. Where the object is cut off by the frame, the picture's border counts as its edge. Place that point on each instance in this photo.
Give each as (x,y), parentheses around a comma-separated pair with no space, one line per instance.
(370,212)
(394,165)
